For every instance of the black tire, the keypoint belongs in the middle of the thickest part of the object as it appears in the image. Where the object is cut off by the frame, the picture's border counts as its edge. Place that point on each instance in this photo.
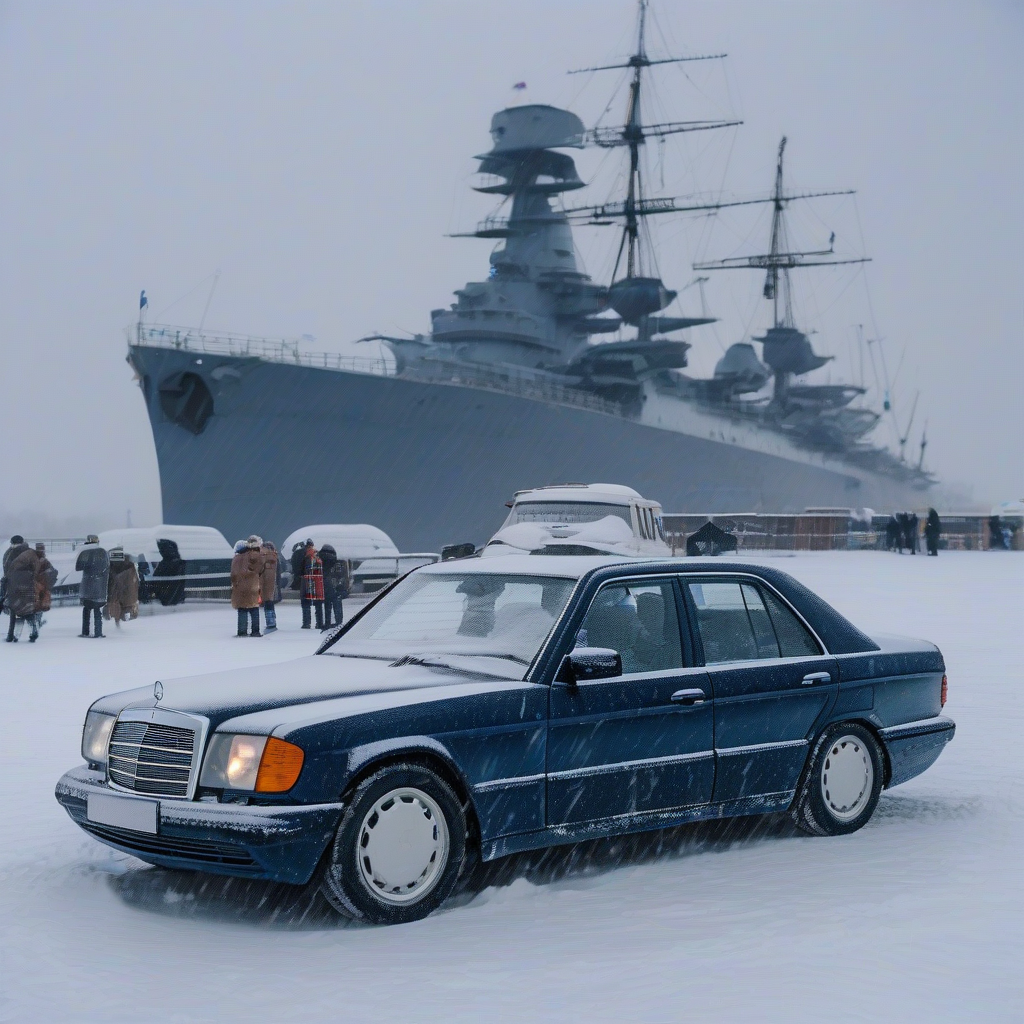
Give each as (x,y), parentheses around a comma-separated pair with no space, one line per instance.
(350,881)
(819,811)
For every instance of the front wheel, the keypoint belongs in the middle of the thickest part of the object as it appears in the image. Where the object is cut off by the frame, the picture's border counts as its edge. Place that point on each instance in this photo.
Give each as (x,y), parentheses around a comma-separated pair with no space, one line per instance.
(399,848)
(843,782)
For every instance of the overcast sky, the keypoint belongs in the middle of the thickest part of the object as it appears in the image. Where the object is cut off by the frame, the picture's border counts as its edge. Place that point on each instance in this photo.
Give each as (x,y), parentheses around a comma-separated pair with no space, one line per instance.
(316,155)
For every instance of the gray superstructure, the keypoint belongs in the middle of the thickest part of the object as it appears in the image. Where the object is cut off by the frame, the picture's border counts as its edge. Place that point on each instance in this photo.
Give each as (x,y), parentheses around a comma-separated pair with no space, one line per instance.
(513,386)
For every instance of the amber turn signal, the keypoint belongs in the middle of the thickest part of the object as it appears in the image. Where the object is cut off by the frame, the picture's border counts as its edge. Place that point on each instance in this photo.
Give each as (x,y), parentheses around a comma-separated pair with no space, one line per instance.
(279,766)
(945,692)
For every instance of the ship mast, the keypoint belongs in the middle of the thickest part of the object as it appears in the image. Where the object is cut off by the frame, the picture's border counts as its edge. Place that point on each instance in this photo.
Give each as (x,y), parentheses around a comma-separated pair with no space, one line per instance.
(636,295)
(771,284)
(778,261)
(633,136)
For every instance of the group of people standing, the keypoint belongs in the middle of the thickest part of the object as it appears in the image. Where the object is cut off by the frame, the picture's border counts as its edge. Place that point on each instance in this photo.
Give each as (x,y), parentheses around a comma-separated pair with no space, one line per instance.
(903,531)
(255,582)
(320,576)
(323,581)
(109,587)
(26,590)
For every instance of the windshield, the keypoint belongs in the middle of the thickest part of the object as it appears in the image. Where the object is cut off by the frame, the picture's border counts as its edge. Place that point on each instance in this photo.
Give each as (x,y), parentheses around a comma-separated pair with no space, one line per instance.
(494,615)
(565,512)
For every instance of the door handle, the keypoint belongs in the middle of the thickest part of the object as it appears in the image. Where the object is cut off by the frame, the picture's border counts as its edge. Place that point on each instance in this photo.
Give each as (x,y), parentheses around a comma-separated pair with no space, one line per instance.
(689,697)
(816,677)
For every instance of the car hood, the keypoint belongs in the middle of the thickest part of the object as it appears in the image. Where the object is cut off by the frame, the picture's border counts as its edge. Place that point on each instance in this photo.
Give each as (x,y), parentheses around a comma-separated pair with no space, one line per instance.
(365,683)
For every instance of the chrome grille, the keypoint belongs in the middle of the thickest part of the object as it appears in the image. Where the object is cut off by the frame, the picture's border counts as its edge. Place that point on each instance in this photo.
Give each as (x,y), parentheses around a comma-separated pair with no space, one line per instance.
(149,757)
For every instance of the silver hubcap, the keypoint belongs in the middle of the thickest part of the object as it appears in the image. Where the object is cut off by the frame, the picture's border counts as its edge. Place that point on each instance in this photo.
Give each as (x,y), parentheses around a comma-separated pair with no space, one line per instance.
(403,846)
(847,777)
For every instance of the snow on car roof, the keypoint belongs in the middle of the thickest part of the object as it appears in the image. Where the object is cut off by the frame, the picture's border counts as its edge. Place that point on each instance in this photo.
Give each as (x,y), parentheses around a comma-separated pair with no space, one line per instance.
(349,540)
(193,541)
(615,494)
(570,566)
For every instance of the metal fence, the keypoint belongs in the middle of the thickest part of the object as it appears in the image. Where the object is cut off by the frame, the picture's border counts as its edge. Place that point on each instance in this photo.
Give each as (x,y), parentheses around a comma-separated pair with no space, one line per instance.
(838,531)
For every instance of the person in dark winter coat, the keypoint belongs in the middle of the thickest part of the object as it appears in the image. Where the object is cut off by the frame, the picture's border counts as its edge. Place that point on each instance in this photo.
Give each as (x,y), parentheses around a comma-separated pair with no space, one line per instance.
(903,541)
(312,586)
(46,578)
(143,568)
(16,541)
(171,564)
(997,539)
(298,556)
(246,571)
(336,584)
(270,584)
(21,569)
(892,534)
(932,531)
(94,565)
(122,588)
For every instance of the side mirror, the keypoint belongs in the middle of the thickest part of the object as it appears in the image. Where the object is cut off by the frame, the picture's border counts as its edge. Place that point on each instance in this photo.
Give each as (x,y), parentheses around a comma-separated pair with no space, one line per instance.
(583,663)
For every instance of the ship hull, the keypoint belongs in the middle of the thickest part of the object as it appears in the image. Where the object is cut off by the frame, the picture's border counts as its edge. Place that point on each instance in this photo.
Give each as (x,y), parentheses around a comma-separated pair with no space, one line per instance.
(429,463)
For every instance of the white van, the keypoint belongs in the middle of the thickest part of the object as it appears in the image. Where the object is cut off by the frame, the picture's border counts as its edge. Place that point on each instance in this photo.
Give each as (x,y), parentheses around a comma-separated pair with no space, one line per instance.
(582,519)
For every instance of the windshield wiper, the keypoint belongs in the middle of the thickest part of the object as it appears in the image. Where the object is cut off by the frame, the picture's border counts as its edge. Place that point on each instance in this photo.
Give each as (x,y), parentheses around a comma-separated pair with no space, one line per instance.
(483,654)
(429,661)
(363,657)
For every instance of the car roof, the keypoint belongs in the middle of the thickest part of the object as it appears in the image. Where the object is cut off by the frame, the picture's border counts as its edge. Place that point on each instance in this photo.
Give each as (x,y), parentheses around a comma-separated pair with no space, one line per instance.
(569,566)
(576,566)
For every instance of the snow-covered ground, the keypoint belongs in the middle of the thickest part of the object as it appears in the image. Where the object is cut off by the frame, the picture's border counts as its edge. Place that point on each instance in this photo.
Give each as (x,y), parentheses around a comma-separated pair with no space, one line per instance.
(918,917)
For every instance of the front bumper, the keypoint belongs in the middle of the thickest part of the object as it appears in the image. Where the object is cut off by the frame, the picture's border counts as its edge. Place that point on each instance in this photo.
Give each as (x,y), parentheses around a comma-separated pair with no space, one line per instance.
(281,844)
(915,746)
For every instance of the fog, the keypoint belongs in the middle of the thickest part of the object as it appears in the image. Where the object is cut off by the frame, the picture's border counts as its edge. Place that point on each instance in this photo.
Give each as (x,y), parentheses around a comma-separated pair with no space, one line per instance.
(315,156)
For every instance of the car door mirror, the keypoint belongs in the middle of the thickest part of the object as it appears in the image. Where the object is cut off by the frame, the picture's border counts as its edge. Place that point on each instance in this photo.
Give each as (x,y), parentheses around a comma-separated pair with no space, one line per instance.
(583,663)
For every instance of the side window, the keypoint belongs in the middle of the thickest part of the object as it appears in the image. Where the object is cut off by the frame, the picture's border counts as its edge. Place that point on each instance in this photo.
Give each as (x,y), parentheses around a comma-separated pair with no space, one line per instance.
(764,635)
(639,621)
(641,522)
(795,641)
(724,625)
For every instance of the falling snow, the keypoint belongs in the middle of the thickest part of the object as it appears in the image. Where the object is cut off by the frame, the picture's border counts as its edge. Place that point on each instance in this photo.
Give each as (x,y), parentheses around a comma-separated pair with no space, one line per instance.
(919,916)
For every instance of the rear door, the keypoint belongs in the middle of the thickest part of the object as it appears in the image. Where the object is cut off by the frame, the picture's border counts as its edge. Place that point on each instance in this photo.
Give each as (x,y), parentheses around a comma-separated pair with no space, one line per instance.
(643,741)
(772,683)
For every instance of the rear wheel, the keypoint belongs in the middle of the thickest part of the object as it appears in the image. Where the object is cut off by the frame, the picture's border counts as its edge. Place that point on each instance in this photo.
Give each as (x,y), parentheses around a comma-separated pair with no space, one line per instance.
(843,782)
(399,848)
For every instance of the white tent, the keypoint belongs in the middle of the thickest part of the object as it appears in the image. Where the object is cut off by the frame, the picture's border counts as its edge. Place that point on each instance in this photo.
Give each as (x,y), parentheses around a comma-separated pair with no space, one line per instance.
(352,541)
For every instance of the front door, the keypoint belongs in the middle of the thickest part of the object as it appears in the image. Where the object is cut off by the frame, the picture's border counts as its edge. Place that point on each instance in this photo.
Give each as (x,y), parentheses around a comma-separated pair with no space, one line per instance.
(643,741)
(772,683)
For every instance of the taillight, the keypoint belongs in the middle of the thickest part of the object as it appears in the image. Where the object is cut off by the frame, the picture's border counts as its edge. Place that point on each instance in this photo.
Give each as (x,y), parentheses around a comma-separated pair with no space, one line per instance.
(945,692)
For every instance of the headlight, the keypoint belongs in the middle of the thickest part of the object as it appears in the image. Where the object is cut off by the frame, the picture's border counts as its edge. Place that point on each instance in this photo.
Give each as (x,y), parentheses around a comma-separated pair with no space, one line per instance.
(263,764)
(96,736)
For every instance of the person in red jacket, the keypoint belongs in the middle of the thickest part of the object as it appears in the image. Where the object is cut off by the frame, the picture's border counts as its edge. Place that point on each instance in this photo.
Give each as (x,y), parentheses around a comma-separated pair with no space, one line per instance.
(312,586)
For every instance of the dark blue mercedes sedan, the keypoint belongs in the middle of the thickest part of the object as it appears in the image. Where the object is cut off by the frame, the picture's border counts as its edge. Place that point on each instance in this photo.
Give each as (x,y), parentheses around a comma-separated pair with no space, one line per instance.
(491,705)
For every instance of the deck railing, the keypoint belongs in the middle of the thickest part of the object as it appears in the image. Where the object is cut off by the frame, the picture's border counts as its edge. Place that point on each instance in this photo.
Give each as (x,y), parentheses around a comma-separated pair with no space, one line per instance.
(274,350)
(287,352)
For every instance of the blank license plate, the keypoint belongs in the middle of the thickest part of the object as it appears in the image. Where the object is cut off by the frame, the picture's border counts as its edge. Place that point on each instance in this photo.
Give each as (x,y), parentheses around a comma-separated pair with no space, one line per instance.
(124,812)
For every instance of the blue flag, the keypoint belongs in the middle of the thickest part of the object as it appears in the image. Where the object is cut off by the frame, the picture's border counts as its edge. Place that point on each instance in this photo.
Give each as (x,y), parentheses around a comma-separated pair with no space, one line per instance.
(143,301)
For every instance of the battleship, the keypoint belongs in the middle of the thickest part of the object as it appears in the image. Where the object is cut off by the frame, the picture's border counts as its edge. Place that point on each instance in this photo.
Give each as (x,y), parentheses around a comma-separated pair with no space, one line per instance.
(537,375)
